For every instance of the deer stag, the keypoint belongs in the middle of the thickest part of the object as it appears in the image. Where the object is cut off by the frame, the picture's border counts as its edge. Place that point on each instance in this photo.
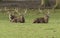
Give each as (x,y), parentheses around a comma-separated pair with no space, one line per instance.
(16,19)
(43,19)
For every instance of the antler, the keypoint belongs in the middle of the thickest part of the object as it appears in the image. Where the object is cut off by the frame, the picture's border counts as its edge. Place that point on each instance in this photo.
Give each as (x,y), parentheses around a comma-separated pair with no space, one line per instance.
(40,10)
(16,9)
(48,12)
(25,10)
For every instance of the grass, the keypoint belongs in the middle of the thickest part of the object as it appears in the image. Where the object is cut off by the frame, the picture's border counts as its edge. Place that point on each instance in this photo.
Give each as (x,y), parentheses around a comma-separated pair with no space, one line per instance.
(29,29)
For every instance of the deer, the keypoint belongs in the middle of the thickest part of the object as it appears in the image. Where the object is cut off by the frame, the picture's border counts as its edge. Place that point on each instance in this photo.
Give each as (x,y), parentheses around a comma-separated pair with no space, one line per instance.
(44,19)
(16,19)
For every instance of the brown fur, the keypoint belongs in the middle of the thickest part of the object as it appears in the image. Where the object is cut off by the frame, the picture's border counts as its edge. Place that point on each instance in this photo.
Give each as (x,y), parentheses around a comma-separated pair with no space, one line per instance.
(21,19)
(42,20)
(15,19)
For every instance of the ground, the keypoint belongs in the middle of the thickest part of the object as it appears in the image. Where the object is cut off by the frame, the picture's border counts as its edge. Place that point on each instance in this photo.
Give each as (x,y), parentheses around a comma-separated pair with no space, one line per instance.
(29,29)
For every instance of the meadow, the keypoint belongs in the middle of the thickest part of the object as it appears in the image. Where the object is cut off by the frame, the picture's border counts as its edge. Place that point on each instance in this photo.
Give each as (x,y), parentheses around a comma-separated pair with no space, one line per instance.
(29,29)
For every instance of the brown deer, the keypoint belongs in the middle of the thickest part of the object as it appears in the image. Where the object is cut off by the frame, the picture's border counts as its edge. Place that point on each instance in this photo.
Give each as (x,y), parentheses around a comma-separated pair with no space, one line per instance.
(44,19)
(16,19)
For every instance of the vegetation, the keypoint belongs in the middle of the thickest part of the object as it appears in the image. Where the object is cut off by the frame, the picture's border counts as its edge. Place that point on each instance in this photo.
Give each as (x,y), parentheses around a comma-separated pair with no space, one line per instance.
(29,29)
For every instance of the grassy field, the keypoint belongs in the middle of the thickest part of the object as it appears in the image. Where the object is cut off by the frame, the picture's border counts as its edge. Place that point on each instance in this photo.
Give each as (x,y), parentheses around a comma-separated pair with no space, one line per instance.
(29,29)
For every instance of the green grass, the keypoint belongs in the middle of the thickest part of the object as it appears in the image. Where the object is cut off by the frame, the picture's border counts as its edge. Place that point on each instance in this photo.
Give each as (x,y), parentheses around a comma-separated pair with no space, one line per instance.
(29,29)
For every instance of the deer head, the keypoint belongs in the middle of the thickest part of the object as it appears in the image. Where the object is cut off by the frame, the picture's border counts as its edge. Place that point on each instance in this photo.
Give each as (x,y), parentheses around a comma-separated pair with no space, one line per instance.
(46,17)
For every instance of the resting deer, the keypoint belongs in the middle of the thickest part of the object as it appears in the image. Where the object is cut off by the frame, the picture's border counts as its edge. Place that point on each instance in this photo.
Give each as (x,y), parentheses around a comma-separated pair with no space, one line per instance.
(16,19)
(44,19)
